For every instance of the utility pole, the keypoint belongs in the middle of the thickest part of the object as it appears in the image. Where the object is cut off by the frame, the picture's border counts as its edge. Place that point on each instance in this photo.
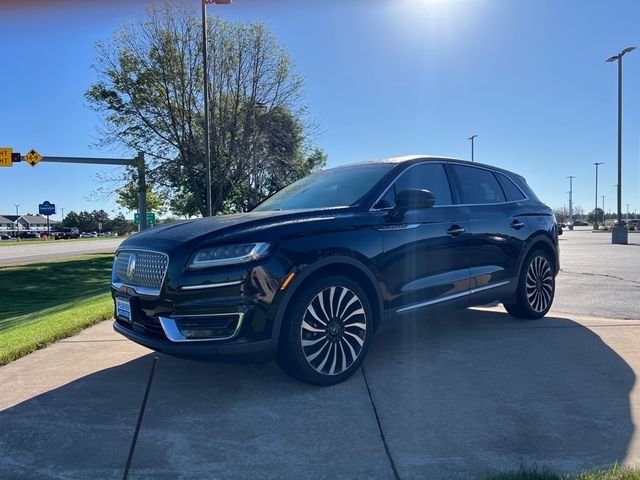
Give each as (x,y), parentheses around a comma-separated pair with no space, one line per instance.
(603,218)
(595,212)
(571,177)
(472,138)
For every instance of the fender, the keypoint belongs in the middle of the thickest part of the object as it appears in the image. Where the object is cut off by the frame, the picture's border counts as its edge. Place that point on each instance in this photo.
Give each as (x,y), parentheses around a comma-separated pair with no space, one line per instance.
(309,270)
(539,237)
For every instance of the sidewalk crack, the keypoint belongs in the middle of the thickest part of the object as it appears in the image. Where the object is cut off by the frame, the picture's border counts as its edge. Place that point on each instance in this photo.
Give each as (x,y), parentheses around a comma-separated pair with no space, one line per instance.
(396,475)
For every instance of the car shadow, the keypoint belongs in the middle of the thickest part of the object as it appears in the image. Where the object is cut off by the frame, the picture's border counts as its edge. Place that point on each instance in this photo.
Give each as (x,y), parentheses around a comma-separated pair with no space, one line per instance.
(457,395)
(203,421)
(478,392)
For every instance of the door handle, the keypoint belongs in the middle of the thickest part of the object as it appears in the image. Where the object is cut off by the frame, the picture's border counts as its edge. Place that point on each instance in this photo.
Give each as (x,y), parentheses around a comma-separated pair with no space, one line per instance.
(517,224)
(455,230)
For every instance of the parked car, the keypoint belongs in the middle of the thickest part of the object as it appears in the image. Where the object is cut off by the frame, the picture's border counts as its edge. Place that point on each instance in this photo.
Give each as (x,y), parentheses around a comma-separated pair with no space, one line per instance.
(633,224)
(312,273)
(28,235)
(66,234)
(5,237)
(580,223)
(88,235)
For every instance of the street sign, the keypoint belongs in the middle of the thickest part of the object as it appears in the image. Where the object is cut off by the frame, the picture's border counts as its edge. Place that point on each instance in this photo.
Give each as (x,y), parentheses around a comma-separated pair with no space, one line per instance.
(33,157)
(47,208)
(6,157)
(151,218)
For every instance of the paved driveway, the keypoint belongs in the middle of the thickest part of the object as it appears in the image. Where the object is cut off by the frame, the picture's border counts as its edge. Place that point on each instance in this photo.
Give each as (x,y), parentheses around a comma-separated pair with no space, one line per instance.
(455,396)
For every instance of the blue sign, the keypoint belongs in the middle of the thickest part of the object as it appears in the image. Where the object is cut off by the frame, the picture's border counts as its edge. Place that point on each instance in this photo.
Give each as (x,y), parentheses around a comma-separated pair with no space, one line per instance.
(47,208)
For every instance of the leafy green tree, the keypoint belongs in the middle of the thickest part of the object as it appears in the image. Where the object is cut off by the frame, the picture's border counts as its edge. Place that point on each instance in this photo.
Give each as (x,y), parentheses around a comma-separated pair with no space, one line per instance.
(119,225)
(128,198)
(71,220)
(149,93)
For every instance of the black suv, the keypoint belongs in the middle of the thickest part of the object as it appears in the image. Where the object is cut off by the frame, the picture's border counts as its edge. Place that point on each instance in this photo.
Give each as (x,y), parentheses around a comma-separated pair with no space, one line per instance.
(314,271)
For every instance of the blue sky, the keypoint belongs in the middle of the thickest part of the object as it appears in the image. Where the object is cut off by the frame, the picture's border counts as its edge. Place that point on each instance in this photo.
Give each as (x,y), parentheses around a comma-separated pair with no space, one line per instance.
(383,78)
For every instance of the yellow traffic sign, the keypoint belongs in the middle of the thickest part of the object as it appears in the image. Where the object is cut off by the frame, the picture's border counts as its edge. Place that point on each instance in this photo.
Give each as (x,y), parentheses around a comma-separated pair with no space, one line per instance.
(33,157)
(5,157)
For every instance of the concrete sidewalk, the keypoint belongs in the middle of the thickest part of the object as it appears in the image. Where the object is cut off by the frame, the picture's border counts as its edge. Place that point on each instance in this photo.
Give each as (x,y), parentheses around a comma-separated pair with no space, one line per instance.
(456,397)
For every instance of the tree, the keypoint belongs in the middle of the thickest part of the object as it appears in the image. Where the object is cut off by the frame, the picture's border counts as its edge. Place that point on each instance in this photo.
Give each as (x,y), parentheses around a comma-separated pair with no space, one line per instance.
(149,92)
(71,220)
(128,198)
(578,212)
(561,215)
(596,214)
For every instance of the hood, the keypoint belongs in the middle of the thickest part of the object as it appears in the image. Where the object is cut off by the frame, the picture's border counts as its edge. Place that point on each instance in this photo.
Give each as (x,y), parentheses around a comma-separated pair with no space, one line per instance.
(212,228)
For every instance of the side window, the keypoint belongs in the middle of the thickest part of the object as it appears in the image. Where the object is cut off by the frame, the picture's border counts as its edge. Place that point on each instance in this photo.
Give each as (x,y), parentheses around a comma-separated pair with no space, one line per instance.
(478,185)
(428,176)
(512,192)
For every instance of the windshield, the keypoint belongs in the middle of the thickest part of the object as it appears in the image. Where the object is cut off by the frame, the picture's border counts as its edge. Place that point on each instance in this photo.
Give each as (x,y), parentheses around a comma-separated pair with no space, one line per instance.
(337,187)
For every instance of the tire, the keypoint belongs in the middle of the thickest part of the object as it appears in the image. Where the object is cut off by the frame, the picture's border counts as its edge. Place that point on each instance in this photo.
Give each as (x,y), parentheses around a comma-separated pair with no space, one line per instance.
(536,287)
(327,334)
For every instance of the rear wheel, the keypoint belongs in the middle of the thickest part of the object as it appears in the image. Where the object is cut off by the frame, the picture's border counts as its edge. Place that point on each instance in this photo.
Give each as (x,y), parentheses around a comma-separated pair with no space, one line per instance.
(327,336)
(536,287)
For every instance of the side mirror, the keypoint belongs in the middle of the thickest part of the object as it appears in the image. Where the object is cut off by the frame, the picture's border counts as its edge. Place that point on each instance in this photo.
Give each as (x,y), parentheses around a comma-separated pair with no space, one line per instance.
(412,199)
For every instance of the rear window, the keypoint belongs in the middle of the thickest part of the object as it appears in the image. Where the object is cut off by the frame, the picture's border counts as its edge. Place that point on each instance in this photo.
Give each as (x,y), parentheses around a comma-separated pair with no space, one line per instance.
(478,186)
(512,192)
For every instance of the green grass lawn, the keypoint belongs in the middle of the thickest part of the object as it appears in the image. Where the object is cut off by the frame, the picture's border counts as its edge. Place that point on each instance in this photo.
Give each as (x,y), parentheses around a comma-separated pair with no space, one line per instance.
(613,473)
(44,302)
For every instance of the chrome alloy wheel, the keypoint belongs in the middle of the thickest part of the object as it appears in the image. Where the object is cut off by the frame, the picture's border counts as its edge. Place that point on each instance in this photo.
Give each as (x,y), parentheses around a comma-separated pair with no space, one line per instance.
(539,286)
(333,330)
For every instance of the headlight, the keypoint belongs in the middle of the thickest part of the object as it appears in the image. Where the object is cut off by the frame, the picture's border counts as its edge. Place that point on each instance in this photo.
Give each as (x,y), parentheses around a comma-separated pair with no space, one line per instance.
(228,255)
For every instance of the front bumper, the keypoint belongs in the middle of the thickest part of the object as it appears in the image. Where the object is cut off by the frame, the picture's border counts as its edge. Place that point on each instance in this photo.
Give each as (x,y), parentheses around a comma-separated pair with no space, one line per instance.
(263,350)
(222,312)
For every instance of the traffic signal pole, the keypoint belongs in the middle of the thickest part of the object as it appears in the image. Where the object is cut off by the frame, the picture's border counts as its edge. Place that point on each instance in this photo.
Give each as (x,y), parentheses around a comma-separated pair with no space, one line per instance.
(137,162)
(142,190)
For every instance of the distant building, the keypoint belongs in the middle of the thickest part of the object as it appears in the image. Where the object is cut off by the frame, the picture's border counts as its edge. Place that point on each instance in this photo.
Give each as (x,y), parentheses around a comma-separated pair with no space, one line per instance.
(14,224)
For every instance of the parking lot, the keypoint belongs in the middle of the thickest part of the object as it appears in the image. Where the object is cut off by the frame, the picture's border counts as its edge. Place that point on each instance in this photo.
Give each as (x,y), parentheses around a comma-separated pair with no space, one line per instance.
(452,396)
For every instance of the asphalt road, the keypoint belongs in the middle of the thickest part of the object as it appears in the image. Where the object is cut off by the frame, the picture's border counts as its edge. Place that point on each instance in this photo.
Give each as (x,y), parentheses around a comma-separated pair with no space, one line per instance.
(38,252)
(449,396)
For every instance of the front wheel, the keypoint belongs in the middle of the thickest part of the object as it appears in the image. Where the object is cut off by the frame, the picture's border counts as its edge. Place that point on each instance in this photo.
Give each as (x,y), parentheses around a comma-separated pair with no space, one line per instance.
(536,287)
(327,335)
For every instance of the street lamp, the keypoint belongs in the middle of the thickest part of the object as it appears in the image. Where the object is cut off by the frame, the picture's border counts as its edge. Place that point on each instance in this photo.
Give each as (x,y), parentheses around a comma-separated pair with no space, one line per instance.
(595,212)
(205,71)
(472,138)
(619,232)
(603,218)
(571,177)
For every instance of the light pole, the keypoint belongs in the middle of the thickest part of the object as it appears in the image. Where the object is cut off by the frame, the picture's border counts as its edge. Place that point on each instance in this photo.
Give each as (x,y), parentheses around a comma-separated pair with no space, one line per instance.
(619,232)
(472,138)
(603,218)
(17,215)
(571,177)
(595,212)
(205,72)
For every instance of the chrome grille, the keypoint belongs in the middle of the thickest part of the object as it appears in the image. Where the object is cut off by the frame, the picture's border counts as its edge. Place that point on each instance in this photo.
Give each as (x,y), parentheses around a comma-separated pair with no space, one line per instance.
(143,270)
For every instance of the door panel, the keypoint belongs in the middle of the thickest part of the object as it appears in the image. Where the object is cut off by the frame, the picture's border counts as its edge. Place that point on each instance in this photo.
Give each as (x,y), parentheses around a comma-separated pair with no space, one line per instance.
(422,262)
(497,237)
